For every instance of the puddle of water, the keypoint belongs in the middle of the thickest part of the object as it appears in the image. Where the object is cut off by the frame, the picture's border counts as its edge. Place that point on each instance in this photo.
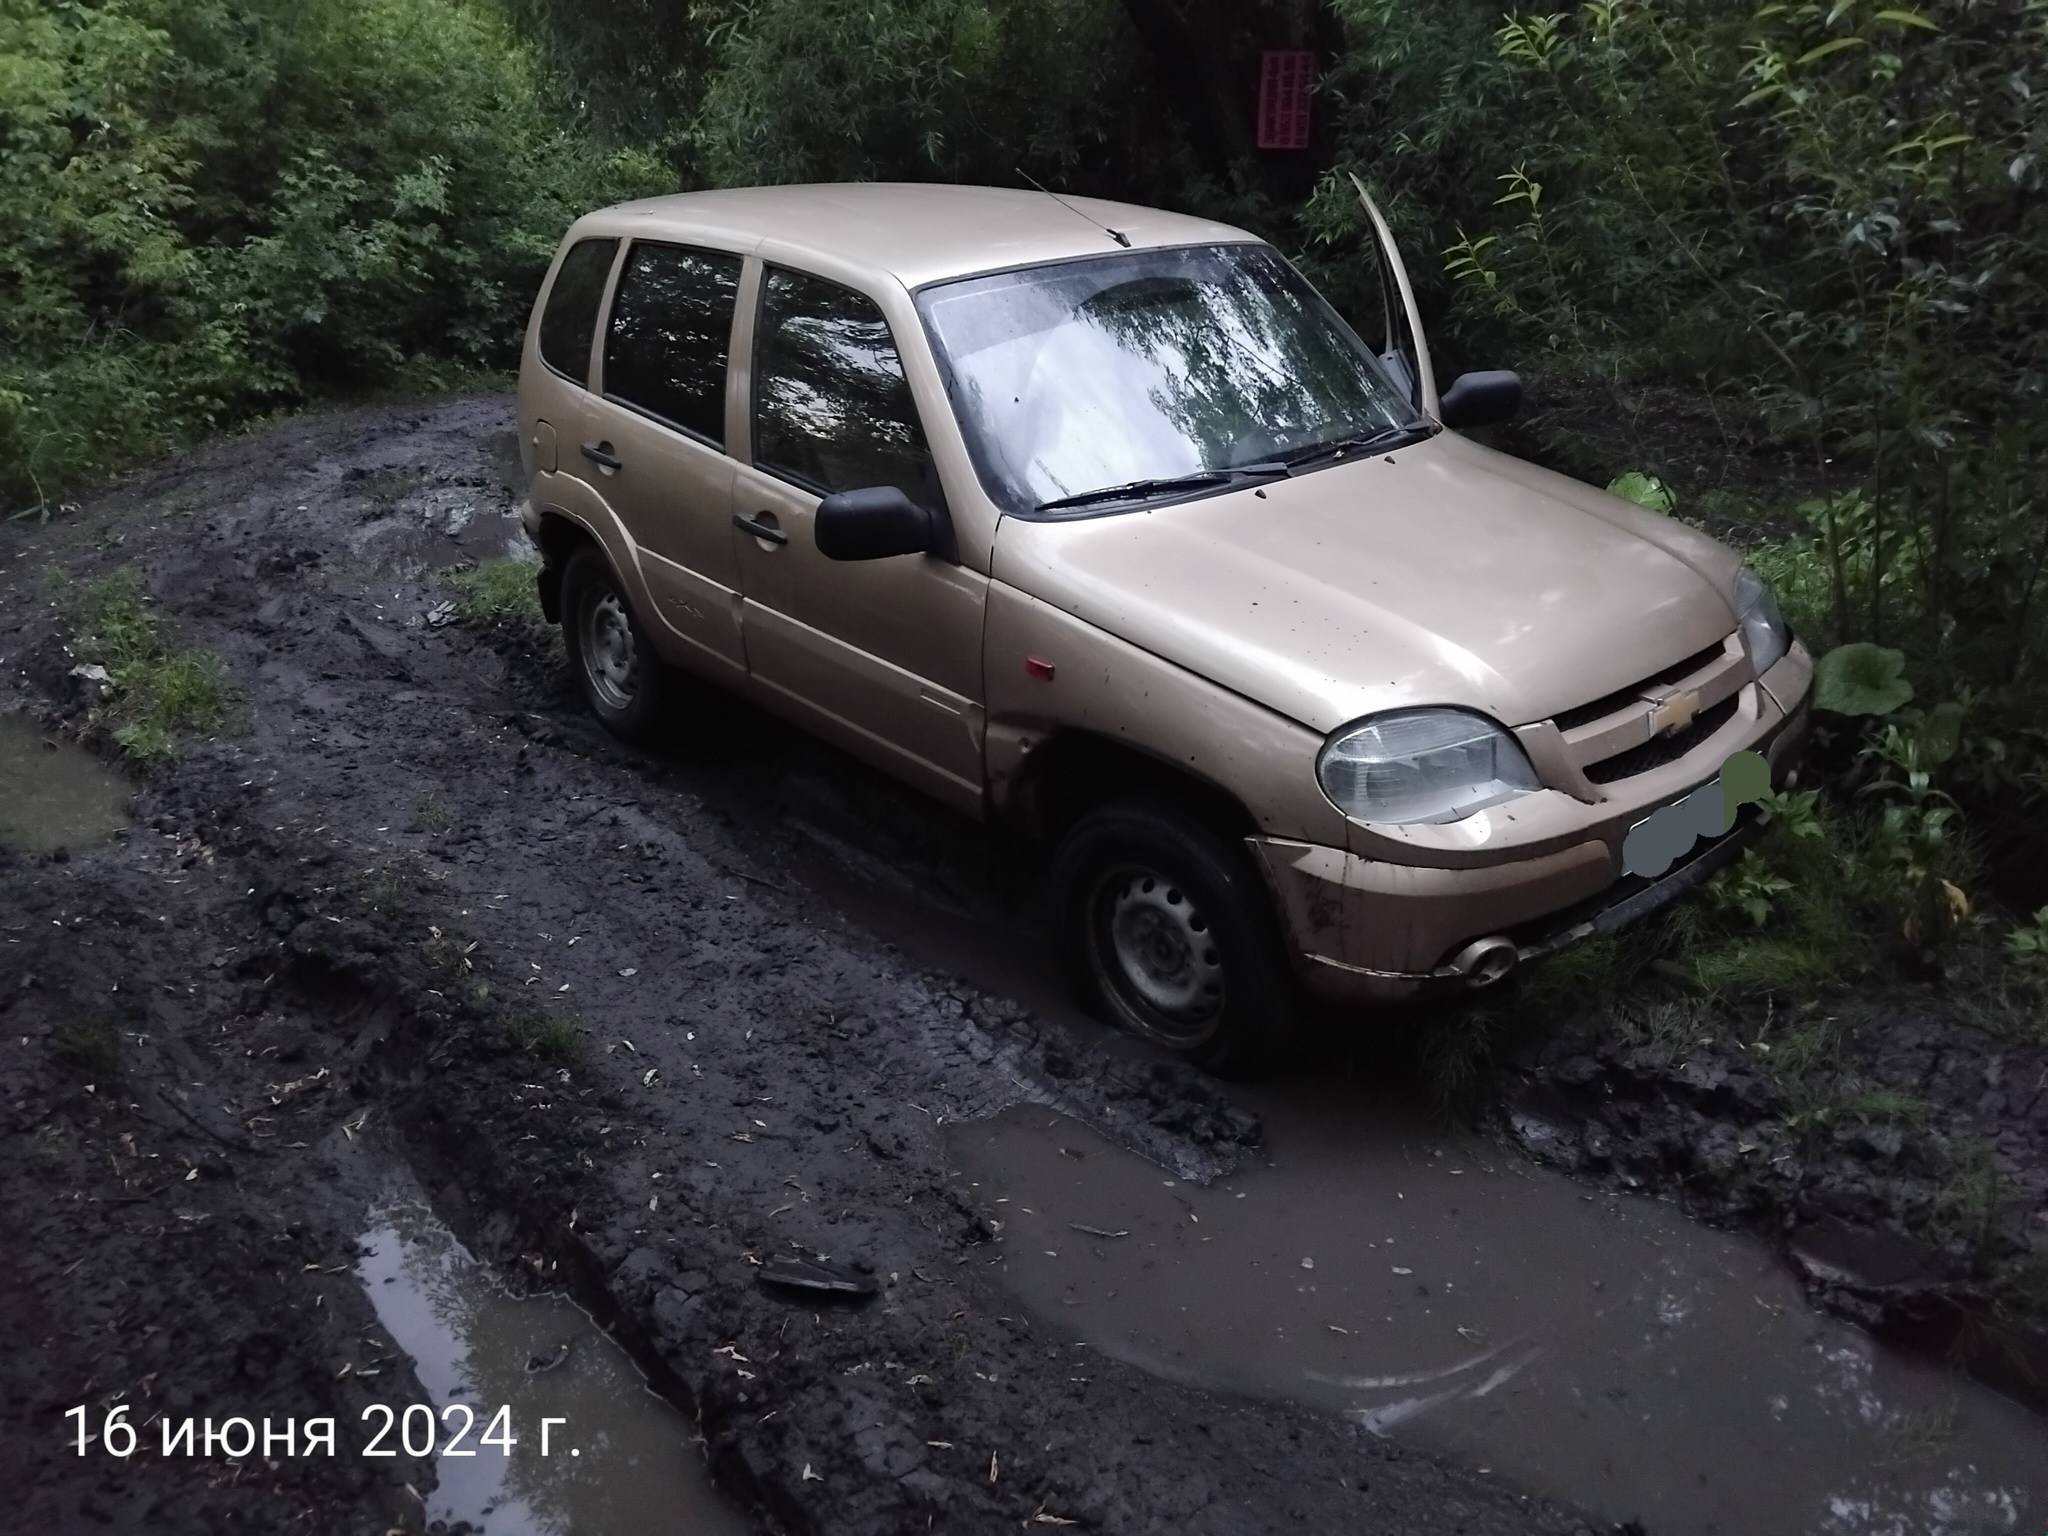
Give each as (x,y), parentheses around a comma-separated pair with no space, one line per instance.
(1608,1352)
(625,1462)
(54,795)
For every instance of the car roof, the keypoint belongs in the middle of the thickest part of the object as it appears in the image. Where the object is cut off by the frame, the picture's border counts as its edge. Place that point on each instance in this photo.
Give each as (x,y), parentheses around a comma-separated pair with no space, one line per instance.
(916,232)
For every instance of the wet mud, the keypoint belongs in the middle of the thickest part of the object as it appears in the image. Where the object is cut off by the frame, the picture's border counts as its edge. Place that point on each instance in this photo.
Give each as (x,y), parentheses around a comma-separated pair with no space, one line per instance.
(628,1052)
(54,795)
(622,1458)
(1439,1291)
(1930,1230)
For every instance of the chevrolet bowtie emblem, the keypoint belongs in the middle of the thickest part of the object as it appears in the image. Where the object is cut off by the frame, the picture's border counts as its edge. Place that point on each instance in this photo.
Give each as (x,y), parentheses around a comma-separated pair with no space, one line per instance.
(1670,716)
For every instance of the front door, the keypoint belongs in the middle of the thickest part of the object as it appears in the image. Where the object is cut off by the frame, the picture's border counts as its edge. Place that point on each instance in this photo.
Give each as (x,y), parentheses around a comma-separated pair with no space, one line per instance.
(1402,347)
(653,441)
(884,655)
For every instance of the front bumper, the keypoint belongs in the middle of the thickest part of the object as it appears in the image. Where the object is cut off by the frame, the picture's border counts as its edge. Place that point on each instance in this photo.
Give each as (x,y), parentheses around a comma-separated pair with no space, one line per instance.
(1370,930)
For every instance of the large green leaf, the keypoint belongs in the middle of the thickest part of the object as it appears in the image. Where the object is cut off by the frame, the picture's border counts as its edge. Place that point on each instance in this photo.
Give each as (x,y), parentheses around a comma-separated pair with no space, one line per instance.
(1861,679)
(1645,490)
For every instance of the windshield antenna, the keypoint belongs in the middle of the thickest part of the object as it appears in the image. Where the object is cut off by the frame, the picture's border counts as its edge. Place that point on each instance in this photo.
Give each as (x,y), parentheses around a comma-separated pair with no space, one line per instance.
(1117,235)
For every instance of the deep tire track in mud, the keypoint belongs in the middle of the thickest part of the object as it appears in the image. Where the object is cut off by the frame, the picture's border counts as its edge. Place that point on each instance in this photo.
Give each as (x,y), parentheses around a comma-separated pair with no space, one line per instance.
(405,874)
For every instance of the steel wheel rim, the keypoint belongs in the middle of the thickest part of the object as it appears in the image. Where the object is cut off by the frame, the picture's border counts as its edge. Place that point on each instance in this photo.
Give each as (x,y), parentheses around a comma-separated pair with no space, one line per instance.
(611,664)
(1159,955)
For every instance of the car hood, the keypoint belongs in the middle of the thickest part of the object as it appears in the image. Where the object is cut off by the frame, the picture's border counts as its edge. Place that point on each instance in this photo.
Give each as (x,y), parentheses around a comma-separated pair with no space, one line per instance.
(1444,573)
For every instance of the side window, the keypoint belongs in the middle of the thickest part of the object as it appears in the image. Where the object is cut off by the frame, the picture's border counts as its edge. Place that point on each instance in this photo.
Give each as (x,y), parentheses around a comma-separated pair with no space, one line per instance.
(671,323)
(832,409)
(570,319)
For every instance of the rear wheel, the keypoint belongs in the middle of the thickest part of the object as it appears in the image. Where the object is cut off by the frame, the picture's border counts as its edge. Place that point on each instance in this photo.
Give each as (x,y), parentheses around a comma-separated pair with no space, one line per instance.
(625,684)
(1166,930)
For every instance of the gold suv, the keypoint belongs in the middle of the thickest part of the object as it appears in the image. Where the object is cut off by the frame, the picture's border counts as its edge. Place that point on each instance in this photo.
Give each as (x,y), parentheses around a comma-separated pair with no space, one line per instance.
(1099,521)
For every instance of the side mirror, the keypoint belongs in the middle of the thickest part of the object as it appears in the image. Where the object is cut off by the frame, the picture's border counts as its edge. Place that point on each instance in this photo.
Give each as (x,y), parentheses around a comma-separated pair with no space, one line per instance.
(873,523)
(1481,399)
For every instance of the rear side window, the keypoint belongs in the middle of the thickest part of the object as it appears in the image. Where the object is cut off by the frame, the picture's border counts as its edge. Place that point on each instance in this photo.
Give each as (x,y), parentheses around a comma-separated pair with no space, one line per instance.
(670,327)
(570,319)
(832,409)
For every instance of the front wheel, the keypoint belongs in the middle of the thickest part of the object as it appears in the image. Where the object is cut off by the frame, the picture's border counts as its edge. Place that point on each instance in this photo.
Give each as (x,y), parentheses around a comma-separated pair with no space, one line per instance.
(625,684)
(1166,930)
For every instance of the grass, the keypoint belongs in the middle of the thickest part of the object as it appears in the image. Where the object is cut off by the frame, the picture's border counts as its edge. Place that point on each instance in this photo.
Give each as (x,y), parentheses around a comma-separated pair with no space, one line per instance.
(496,590)
(383,892)
(155,693)
(1748,966)
(555,1033)
(432,813)
(384,492)
(1882,1106)
(91,1048)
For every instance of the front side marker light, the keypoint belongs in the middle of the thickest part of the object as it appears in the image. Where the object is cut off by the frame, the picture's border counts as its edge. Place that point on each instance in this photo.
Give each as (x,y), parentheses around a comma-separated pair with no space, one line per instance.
(1765,634)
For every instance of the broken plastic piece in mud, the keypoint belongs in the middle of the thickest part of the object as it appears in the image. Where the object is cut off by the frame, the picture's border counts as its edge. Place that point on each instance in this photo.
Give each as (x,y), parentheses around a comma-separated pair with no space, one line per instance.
(811,1278)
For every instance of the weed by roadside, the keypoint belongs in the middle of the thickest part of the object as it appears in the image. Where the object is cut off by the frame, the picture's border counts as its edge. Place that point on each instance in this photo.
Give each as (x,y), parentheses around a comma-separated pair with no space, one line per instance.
(555,1033)
(91,1048)
(384,891)
(432,813)
(152,691)
(384,492)
(496,590)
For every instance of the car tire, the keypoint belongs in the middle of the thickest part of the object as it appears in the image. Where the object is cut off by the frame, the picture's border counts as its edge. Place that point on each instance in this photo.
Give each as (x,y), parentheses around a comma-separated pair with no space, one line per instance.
(626,685)
(1166,930)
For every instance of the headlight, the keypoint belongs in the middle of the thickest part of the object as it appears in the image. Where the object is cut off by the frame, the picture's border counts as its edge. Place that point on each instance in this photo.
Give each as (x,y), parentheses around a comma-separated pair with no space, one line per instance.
(1422,765)
(1764,630)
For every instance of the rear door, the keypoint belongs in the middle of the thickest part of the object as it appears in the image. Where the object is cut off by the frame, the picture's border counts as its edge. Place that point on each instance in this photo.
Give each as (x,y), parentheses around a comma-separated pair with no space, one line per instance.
(555,379)
(884,655)
(653,442)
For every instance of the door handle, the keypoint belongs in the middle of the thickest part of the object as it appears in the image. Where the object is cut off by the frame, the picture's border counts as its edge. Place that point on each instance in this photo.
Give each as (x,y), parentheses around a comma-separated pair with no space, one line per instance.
(601,453)
(766,531)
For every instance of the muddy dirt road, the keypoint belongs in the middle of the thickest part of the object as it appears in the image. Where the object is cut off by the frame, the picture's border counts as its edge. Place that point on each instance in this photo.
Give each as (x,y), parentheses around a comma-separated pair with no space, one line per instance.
(408,896)
(412,932)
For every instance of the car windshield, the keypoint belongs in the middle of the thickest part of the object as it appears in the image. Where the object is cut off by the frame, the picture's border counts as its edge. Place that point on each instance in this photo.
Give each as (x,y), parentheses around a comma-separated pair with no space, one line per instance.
(1097,385)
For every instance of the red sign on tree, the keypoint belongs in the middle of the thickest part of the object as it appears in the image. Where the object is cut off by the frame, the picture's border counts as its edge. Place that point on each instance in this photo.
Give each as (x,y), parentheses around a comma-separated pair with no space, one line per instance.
(1286,75)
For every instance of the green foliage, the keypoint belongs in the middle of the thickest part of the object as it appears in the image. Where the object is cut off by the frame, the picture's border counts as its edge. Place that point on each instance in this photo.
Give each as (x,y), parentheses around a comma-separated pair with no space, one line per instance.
(2028,944)
(1645,490)
(496,589)
(1751,888)
(209,209)
(153,691)
(91,1048)
(832,90)
(1837,207)
(1861,679)
(554,1034)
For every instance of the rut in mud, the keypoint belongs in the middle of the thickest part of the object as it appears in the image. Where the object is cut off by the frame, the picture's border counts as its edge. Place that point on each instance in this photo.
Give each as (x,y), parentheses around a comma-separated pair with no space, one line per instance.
(407,893)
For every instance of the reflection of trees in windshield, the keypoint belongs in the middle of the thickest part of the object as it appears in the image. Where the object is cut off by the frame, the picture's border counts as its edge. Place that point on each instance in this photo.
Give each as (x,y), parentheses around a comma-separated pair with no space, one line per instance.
(833,407)
(1247,374)
(1090,374)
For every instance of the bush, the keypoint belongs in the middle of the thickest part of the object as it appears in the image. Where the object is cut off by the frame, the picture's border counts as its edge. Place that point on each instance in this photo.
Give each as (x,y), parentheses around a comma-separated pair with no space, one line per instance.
(213,209)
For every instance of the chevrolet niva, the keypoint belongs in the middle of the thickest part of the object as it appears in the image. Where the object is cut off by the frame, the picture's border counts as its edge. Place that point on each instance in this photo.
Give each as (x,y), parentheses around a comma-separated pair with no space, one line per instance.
(1098,521)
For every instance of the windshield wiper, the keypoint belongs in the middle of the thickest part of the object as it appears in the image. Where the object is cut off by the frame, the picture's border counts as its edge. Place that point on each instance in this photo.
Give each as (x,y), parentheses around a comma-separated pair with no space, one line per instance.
(1386,438)
(1135,490)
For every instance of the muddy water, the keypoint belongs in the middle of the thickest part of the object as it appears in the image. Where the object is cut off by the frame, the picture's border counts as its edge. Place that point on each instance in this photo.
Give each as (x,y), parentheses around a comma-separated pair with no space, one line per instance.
(1604,1351)
(625,1463)
(1601,1350)
(54,795)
